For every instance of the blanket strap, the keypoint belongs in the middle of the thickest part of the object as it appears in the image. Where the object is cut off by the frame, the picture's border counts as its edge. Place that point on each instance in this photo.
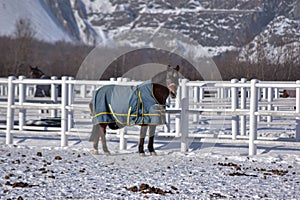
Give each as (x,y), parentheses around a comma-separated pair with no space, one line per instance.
(128,116)
(115,115)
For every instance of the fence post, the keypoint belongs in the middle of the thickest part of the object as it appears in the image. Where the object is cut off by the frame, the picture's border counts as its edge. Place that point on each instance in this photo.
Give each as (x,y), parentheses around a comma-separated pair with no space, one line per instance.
(264,98)
(10,110)
(184,116)
(64,121)
(219,93)
(166,127)
(201,100)
(234,106)
(83,91)
(196,101)
(123,140)
(71,96)
(259,95)
(22,112)
(276,96)
(119,79)
(243,106)
(253,117)
(54,95)
(297,136)
(201,94)
(270,102)
(178,115)
(276,93)
(2,90)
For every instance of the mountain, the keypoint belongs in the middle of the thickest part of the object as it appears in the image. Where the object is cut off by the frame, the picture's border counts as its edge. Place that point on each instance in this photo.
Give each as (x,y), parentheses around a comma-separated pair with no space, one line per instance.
(217,25)
(43,22)
(278,43)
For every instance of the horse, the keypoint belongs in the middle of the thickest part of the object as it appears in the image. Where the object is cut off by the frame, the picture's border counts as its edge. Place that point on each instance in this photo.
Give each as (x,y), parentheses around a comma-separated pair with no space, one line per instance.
(144,105)
(288,93)
(40,90)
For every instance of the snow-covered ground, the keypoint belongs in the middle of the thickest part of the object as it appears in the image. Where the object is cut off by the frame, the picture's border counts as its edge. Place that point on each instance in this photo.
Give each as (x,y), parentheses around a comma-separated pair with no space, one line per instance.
(36,168)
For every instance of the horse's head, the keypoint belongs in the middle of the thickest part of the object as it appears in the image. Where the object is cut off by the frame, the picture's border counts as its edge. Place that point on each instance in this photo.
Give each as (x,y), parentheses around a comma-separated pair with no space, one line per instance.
(35,72)
(169,80)
(172,80)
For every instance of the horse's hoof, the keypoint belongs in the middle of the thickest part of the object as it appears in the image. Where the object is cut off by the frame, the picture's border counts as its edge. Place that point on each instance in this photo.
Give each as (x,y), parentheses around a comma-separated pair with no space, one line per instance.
(95,152)
(107,153)
(142,154)
(153,153)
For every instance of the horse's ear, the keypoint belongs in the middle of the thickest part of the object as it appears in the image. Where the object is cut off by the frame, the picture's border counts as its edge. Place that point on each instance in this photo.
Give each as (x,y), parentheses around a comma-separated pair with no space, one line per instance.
(177,68)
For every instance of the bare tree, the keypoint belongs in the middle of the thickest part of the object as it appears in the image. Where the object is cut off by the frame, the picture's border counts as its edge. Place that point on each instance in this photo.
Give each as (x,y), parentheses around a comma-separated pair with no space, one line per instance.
(262,62)
(24,34)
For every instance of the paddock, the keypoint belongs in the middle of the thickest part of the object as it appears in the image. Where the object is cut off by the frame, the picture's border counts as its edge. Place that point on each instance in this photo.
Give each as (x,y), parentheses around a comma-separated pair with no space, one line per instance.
(233,111)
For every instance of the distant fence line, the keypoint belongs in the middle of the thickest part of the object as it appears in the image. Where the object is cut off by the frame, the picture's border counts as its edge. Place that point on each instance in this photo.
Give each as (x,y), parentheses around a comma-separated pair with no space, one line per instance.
(246,102)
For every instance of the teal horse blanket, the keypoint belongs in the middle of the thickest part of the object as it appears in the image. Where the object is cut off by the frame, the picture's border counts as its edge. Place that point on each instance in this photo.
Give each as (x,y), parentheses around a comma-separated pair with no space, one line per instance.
(127,105)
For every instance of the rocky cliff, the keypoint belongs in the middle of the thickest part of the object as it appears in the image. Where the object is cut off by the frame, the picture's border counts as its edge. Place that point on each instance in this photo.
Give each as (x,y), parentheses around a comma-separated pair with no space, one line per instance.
(218,25)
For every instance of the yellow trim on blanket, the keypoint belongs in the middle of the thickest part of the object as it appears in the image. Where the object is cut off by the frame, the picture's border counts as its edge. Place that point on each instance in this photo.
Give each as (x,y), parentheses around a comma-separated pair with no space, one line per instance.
(109,113)
(114,114)
(128,115)
(101,113)
(161,112)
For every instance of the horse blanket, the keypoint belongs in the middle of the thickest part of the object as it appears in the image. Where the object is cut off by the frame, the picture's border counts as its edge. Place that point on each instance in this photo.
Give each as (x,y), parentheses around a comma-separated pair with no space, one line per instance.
(127,105)
(43,90)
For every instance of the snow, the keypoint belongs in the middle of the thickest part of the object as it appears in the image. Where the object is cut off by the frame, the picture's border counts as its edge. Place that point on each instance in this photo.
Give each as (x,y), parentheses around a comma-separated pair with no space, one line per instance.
(43,22)
(103,6)
(216,51)
(206,171)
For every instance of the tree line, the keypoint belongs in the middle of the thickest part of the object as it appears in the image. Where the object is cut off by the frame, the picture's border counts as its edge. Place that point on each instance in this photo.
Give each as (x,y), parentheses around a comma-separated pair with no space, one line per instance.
(21,50)
(61,58)
(263,69)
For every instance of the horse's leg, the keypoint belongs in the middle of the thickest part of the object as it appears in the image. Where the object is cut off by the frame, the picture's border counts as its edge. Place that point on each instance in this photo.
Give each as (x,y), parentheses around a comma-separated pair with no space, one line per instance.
(103,139)
(151,140)
(95,138)
(97,132)
(142,139)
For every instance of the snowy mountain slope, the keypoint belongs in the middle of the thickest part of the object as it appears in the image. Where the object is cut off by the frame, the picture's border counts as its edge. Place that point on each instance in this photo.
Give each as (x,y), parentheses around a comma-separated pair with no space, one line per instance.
(279,42)
(51,20)
(215,24)
(73,16)
(44,24)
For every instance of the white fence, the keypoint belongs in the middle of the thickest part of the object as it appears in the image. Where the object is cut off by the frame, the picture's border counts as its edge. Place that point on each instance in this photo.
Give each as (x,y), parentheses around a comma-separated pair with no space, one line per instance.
(245,104)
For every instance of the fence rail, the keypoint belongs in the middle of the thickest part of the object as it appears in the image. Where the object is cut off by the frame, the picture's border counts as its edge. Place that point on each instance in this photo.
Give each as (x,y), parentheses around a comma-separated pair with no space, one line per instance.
(243,102)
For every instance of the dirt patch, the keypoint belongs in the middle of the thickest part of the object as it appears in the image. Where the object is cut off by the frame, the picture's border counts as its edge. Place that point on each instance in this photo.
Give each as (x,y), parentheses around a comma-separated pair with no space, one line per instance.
(236,166)
(20,184)
(147,189)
